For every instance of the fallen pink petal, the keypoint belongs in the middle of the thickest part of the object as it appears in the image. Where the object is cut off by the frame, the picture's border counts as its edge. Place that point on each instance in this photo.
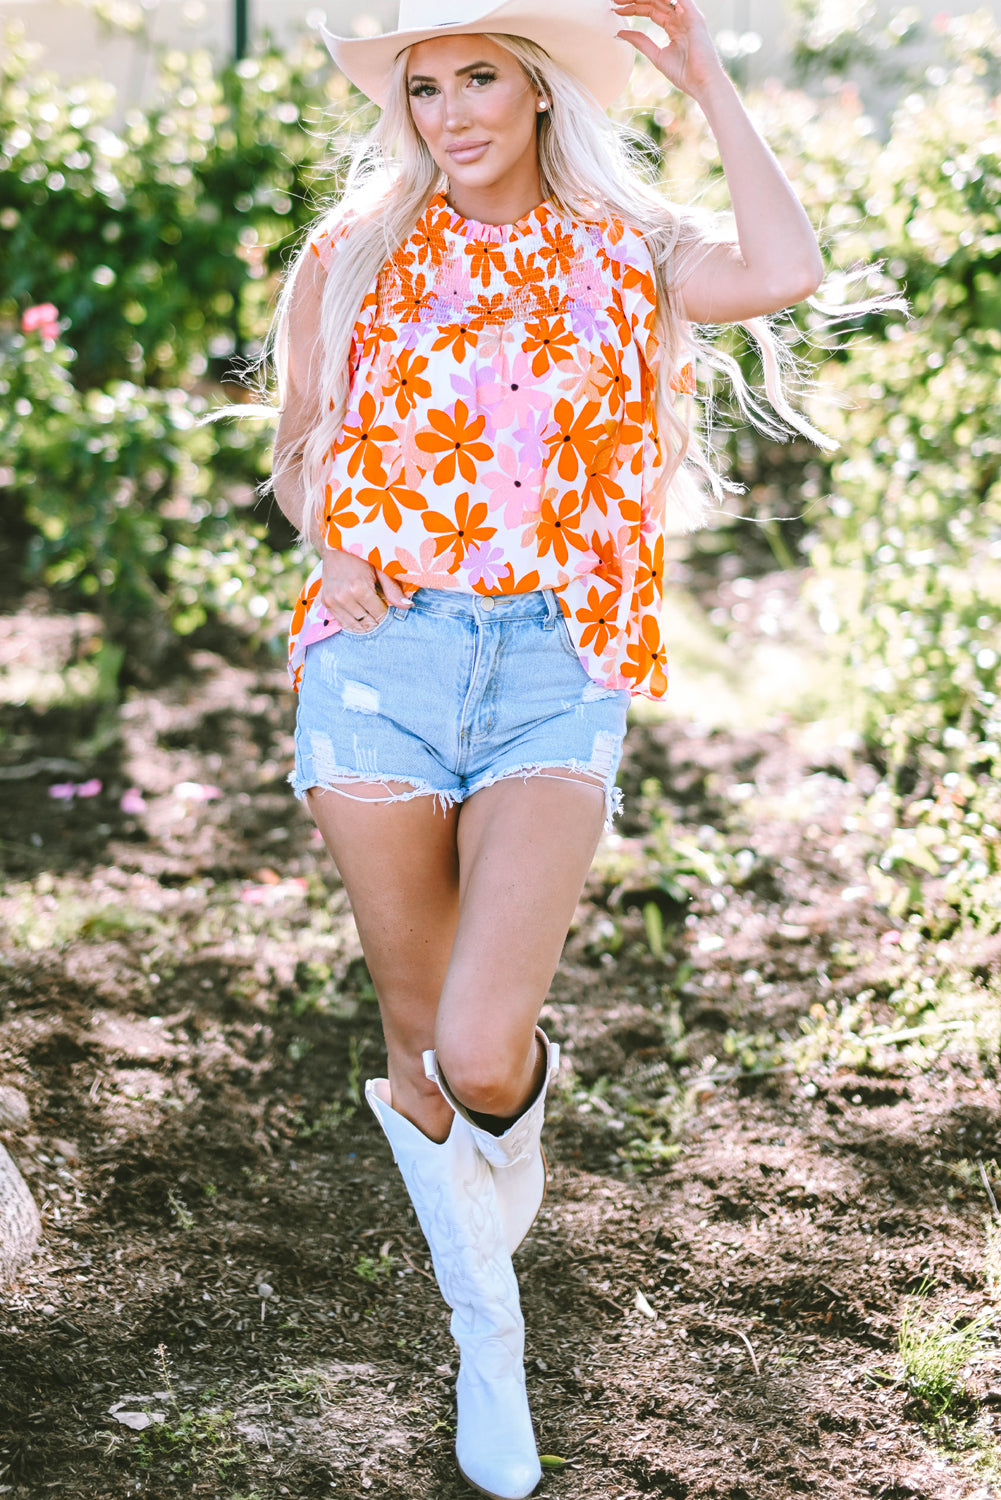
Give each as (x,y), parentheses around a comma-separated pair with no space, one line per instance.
(133,802)
(196,791)
(91,788)
(63,791)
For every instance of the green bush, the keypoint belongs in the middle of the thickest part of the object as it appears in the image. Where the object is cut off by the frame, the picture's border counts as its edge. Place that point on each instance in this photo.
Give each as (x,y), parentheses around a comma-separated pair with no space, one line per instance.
(909,556)
(133,504)
(159,238)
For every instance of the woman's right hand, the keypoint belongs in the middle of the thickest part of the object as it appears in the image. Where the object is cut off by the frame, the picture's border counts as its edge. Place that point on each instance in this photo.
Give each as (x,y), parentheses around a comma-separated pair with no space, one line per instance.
(356,594)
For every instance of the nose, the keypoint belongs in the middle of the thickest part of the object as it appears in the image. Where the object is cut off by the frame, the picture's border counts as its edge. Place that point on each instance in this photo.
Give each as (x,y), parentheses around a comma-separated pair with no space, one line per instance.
(455,113)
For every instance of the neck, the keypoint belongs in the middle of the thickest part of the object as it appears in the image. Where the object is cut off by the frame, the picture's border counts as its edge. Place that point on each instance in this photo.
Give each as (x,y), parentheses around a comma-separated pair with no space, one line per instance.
(497,204)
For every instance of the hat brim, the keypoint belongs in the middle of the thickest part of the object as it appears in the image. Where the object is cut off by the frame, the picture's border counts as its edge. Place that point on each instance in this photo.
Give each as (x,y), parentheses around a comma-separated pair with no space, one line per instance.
(580,36)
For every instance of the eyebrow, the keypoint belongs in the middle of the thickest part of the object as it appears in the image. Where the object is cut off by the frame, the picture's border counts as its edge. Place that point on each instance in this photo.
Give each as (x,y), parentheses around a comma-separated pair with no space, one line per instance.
(472,68)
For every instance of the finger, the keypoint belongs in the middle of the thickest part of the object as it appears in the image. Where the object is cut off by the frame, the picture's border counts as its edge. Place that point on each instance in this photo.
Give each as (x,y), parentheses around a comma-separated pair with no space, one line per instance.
(391,590)
(642,43)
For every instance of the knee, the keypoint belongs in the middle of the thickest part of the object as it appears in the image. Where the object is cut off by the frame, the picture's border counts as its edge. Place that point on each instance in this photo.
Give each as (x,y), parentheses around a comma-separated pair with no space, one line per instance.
(488,1082)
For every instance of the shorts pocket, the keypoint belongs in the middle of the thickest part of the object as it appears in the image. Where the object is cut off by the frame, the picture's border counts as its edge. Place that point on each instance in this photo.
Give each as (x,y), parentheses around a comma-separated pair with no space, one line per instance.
(376,629)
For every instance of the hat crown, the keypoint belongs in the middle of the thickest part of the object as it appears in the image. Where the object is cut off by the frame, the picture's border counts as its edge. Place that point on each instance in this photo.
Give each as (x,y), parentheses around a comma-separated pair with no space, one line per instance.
(416,15)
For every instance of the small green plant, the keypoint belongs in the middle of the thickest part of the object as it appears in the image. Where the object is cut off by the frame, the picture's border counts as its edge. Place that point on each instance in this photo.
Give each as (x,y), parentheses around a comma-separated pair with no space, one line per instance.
(372,1269)
(935,1354)
(189,1438)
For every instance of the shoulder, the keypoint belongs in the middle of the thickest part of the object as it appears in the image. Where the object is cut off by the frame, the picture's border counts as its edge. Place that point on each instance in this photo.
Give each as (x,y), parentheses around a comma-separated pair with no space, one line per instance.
(328,236)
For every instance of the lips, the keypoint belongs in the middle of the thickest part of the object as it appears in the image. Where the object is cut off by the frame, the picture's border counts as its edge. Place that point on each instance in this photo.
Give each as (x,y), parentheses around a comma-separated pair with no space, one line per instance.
(468,150)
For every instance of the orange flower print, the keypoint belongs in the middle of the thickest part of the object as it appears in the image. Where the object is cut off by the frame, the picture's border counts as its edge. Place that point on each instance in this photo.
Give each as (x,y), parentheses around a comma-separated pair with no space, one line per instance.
(578,438)
(548,340)
(455,437)
(338,515)
(514,583)
(405,381)
(458,337)
(489,310)
(645,658)
(557,251)
(483,259)
(550,302)
(600,488)
(461,531)
(648,583)
(683,380)
(363,434)
(386,499)
(598,617)
(525,273)
(558,526)
(303,605)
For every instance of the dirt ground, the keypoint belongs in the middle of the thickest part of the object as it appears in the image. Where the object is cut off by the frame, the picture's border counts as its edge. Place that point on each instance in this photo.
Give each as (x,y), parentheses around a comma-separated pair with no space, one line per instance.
(232,1297)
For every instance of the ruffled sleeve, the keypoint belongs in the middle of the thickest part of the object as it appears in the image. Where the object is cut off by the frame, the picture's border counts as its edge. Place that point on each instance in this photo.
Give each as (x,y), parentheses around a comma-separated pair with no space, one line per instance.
(329,241)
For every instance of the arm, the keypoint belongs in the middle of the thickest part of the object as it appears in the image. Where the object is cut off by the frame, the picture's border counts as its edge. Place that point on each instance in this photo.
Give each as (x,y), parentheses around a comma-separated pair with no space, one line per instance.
(352,590)
(776,260)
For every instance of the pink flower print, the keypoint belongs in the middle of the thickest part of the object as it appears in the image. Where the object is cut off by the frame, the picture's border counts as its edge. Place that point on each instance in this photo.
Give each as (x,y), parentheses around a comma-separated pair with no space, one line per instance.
(42,318)
(473,392)
(513,393)
(492,341)
(484,564)
(415,462)
(577,377)
(516,487)
(531,439)
(426,571)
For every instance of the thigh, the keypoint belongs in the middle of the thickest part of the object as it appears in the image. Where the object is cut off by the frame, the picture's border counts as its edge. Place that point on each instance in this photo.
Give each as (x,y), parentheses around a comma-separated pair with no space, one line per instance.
(525,847)
(400,868)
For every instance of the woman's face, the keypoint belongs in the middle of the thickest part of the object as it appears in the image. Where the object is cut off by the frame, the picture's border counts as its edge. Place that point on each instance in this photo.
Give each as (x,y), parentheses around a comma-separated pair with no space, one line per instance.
(476,109)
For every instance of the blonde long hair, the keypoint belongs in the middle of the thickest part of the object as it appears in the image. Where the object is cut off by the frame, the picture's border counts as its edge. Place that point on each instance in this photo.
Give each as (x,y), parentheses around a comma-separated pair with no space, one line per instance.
(588,170)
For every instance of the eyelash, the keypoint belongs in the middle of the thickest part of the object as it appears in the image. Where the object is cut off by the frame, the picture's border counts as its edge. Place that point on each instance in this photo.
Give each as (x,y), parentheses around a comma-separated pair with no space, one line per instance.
(424,90)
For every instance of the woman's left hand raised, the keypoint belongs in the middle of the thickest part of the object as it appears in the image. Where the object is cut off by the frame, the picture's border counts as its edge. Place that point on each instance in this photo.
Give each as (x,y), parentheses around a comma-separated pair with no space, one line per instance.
(688,58)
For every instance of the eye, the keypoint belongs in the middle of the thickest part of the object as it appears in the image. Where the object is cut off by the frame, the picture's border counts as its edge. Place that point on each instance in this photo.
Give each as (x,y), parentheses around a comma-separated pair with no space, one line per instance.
(482,78)
(421,90)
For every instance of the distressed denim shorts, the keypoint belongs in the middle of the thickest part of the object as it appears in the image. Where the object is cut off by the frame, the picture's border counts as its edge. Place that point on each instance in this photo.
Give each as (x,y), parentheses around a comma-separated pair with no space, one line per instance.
(451,695)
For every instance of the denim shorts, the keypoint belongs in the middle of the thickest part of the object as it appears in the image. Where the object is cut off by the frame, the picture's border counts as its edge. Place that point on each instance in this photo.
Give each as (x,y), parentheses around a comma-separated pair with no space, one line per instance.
(451,695)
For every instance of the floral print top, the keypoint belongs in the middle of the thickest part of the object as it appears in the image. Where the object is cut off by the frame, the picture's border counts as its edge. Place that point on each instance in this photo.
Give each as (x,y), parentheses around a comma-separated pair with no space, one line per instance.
(500,433)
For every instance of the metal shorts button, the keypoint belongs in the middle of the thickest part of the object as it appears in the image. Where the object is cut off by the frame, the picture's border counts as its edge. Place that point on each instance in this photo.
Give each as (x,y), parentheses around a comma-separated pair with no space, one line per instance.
(487,603)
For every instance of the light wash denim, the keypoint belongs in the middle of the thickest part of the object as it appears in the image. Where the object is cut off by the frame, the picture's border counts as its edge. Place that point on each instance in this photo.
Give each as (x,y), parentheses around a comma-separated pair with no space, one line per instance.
(454,694)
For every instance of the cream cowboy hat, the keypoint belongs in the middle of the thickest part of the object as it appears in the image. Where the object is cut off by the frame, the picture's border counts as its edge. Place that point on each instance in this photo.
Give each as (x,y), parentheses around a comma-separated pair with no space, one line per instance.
(579,34)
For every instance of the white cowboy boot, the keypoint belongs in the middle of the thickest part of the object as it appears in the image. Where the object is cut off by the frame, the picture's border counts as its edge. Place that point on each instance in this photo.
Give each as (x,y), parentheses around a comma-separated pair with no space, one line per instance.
(453,1194)
(516,1158)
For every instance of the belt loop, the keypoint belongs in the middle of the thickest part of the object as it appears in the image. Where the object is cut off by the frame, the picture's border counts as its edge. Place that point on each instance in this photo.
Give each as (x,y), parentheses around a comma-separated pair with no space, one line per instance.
(551,608)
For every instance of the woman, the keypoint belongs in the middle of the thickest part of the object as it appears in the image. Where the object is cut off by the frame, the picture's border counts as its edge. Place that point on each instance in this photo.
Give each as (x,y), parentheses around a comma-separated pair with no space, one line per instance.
(483,358)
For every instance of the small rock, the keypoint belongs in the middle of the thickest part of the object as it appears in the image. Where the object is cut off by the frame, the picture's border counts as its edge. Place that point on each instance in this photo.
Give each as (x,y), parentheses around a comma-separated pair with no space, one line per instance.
(14,1109)
(264,1291)
(137,1420)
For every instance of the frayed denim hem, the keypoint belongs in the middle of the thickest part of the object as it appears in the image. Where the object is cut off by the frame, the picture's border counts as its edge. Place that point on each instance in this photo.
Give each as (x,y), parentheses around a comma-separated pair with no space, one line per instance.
(581,772)
(447,799)
(301,785)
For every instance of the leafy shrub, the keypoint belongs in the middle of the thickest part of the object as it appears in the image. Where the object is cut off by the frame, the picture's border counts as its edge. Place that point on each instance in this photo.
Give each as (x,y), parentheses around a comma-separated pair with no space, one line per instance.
(132,503)
(156,238)
(909,558)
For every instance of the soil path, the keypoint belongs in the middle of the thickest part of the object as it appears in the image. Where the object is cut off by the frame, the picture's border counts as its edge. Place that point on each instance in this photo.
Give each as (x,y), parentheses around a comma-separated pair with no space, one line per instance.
(740,1203)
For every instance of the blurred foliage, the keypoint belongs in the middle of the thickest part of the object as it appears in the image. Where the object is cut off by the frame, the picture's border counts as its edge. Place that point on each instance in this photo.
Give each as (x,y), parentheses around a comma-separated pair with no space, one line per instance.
(909,554)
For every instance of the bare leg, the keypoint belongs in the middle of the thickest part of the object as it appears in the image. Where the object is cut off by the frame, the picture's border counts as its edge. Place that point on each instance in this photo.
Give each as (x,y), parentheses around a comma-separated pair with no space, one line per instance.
(525,847)
(400,867)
